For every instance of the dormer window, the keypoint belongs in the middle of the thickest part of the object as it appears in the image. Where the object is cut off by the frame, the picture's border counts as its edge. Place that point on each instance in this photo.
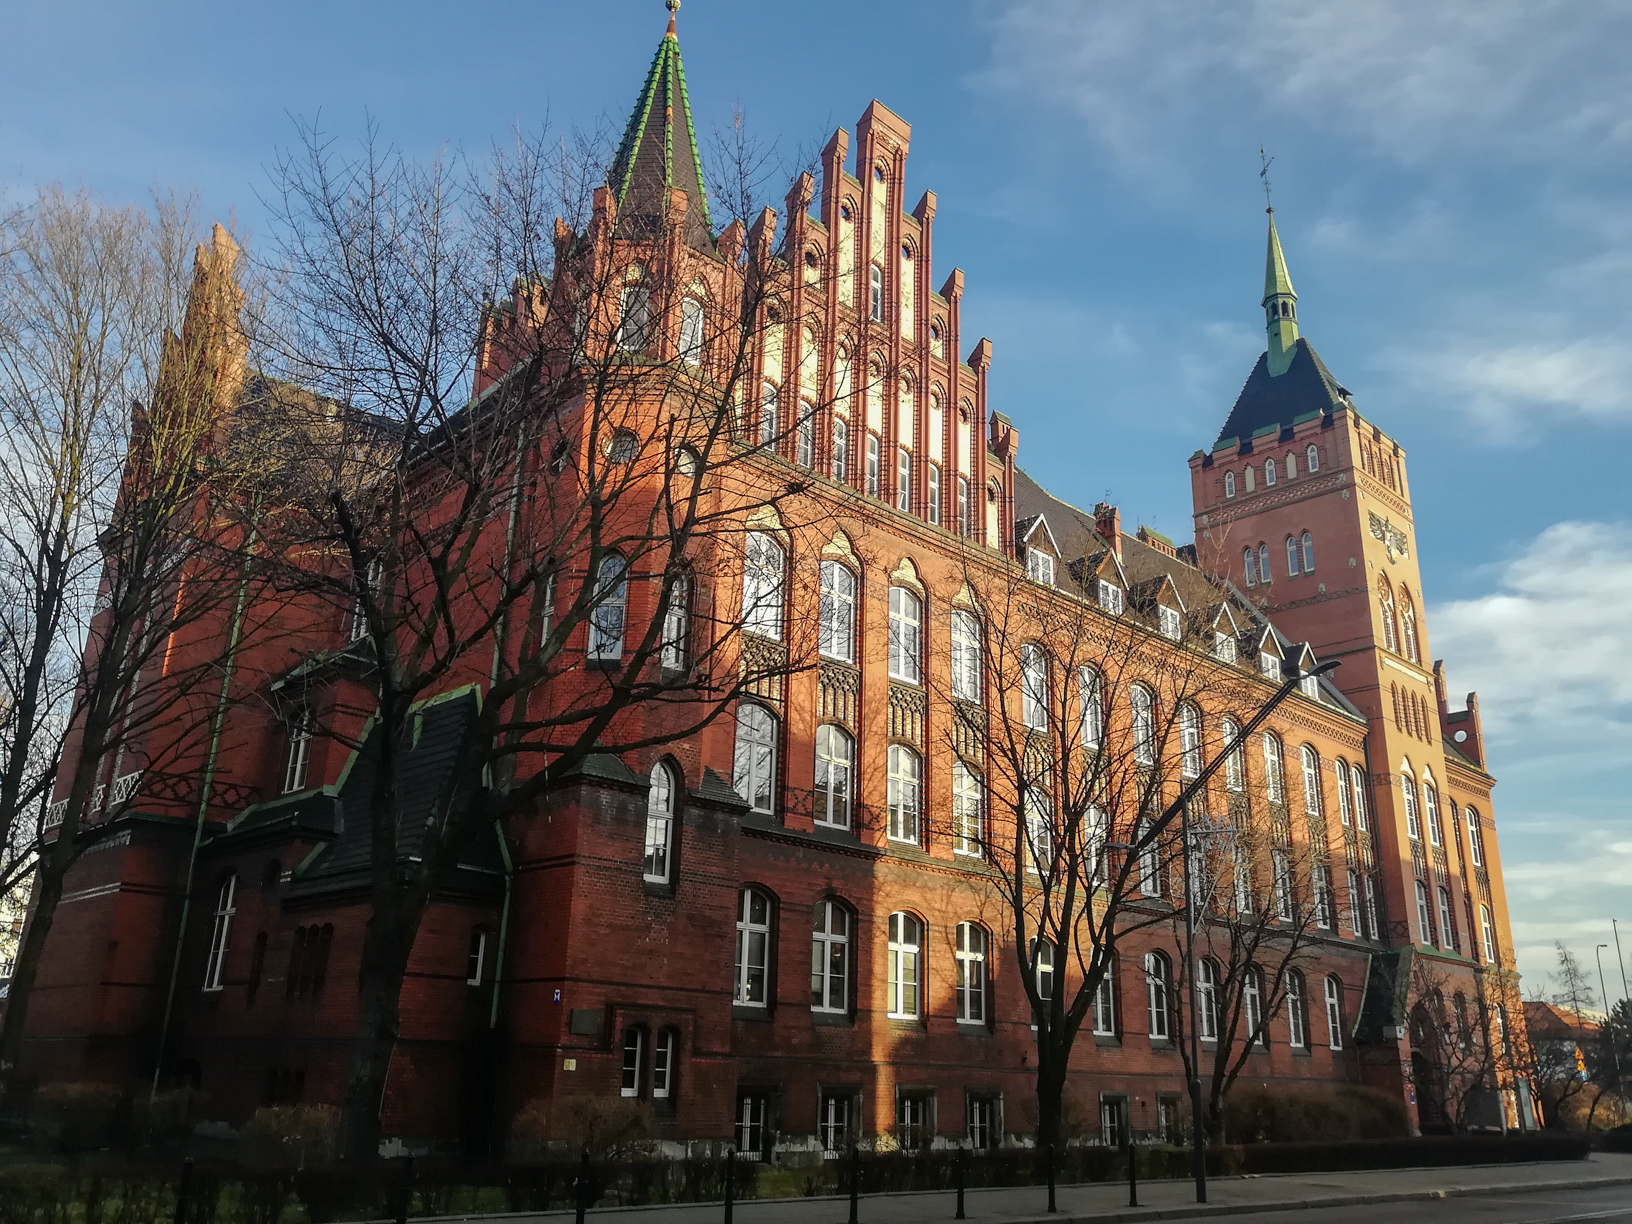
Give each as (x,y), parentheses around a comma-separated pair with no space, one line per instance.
(1039,566)
(1110,597)
(1168,621)
(1270,664)
(1224,646)
(1309,686)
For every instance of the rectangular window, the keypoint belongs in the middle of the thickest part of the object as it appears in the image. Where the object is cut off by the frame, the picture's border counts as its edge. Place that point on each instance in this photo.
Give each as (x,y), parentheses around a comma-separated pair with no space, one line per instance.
(833,1124)
(875,293)
(1105,1006)
(971,968)
(1170,622)
(1039,566)
(1110,597)
(805,453)
(963,507)
(226,905)
(476,957)
(1224,647)
(753,948)
(903,479)
(1270,665)
(830,959)
(932,507)
(752,1108)
(984,1130)
(904,951)
(841,452)
(906,641)
(300,751)
(836,633)
(872,465)
(1034,687)
(634,1051)
(663,1064)
(967,811)
(912,1121)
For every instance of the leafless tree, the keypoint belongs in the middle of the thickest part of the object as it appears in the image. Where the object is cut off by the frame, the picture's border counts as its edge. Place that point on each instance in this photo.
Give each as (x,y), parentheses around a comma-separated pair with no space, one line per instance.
(1558,1059)
(1462,1047)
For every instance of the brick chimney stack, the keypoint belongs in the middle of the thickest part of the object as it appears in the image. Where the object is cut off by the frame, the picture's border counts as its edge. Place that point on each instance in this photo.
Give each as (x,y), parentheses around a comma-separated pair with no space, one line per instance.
(1108,522)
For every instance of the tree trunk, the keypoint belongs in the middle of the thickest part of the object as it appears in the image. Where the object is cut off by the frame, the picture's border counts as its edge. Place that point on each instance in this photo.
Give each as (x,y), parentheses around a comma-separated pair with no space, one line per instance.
(1050,1098)
(387,943)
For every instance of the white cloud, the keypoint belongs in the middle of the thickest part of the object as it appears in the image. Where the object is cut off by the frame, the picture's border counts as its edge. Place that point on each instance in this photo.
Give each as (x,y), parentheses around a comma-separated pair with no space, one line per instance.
(1503,388)
(1411,78)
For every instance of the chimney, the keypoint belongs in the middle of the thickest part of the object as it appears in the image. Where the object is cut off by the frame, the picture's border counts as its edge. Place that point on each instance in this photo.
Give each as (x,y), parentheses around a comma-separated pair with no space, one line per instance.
(1108,522)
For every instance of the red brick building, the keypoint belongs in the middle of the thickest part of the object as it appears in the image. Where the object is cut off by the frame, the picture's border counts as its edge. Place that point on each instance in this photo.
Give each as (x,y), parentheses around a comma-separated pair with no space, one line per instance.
(714,928)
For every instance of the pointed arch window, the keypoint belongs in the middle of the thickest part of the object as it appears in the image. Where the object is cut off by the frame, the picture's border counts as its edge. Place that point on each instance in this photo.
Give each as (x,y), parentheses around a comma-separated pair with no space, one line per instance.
(1311,781)
(677,625)
(769,413)
(1430,810)
(1229,484)
(691,331)
(1034,687)
(841,450)
(1274,777)
(1345,793)
(1385,606)
(1293,557)
(1091,694)
(1291,465)
(1408,631)
(1189,741)
(1413,823)
(1263,564)
(1249,566)
(1142,703)
(634,318)
(875,293)
(1359,779)
(606,618)
(1476,837)
(1235,773)
(659,825)
(762,585)
(1308,544)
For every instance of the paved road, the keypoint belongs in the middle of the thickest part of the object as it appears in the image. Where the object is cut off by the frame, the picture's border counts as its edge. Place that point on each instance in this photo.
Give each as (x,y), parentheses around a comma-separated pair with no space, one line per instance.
(1612,1206)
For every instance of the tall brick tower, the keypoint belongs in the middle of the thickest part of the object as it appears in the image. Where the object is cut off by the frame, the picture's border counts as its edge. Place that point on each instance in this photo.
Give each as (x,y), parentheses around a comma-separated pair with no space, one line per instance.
(1305,506)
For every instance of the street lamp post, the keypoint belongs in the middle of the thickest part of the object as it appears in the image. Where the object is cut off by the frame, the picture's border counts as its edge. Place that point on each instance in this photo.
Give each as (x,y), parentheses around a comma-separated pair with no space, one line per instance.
(1180,807)
(1616,926)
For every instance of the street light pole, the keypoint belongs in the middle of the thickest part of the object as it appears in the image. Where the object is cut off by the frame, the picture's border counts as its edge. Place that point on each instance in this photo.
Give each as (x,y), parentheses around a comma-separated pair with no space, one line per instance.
(1180,807)
(1624,993)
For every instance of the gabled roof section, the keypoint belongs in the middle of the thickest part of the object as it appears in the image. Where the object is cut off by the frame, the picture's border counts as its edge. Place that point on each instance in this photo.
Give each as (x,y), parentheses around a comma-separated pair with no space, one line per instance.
(1306,388)
(659,149)
(1027,527)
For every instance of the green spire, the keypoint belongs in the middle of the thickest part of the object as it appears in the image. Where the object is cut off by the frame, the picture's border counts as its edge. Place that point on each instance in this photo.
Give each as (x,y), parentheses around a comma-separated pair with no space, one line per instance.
(659,147)
(1280,305)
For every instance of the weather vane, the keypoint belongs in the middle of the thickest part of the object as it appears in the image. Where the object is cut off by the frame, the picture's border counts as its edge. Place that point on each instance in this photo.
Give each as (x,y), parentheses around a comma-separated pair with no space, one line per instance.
(1263,173)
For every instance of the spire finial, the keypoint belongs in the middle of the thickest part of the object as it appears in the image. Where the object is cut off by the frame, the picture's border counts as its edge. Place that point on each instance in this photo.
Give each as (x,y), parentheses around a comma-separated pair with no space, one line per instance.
(1263,173)
(674,7)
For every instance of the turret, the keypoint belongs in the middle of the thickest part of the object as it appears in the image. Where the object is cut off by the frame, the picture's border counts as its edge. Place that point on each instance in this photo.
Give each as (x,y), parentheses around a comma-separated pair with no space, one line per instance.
(1280,305)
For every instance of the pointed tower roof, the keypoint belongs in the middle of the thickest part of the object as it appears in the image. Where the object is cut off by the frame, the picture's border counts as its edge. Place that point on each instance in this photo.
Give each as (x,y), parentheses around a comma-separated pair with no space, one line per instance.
(659,147)
(1277,280)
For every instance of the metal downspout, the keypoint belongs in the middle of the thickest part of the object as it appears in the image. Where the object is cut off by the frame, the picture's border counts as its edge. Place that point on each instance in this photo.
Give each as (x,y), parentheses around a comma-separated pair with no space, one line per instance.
(216,725)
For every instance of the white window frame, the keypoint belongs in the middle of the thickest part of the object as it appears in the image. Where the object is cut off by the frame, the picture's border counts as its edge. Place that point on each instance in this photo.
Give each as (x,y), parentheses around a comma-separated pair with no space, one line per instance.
(607,616)
(1297,1011)
(1312,458)
(770,413)
(968,811)
(1425,921)
(634,1061)
(1189,741)
(754,759)
(836,636)
(1252,1007)
(1043,970)
(476,957)
(1476,837)
(1310,760)
(1235,766)
(875,293)
(906,636)
(905,978)
(970,961)
(1269,663)
(962,508)
(1207,1000)
(1308,553)
(835,776)
(663,1056)
(1281,875)
(1104,1006)
(1034,694)
(1229,484)
(1358,777)
(841,450)
(1430,810)
(804,452)
(753,964)
(1356,902)
(903,480)
(904,794)
(1037,802)
(297,762)
(1249,567)
(657,863)
(1091,695)
(226,906)
(932,496)
(872,465)
(1142,711)
(764,577)
(677,625)
(1334,1013)
(1158,985)
(1294,565)
(830,958)
(1487,934)
(1413,822)
(1345,800)
(1150,861)
(1111,597)
(691,331)
(1039,566)
(1274,775)
(1169,622)
(966,656)
(1447,928)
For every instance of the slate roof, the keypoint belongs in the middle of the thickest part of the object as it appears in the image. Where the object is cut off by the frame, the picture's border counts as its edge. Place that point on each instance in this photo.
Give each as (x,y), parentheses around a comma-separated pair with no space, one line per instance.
(1306,388)
(659,150)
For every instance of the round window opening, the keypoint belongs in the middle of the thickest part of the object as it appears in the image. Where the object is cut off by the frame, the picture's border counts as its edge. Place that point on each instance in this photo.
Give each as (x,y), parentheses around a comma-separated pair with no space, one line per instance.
(810,259)
(906,251)
(844,211)
(1461,737)
(621,446)
(878,174)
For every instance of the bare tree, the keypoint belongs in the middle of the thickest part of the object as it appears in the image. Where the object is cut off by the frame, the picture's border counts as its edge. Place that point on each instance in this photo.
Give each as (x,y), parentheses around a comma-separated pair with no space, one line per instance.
(1462,1048)
(1558,1059)
(535,454)
(113,546)
(1079,736)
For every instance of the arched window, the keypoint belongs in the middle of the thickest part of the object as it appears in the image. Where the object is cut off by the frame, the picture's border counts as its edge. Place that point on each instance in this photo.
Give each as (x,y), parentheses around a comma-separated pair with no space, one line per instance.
(1280,867)
(804,453)
(1308,553)
(1250,475)
(763,573)
(830,958)
(770,412)
(971,967)
(1408,626)
(1269,471)
(1229,484)
(902,794)
(905,951)
(1355,904)
(1293,557)
(1345,800)
(1034,687)
(754,767)
(753,948)
(1476,837)
(1359,779)
(1334,993)
(968,811)
(1158,974)
(836,635)
(476,957)
(634,318)
(1274,778)
(1142,703)
(1291,465)
(835,769)
(1311,781)
(906,635)
(1042,953)
(1105,1003)
(1311,458)
(1249,566)
(1430,809)
(903,479)
(226,905)
(634,1060)
(841,450)
(1297,1011)
(675,653)
(1447,928)
(1037,803)
(664,1056)
(299,756)
(1189,741)
(1207,999)
(1252,1006)
(1408,789)
(659,825)
(1091,693)
(872,465)
(1425,922)
(966,665)
(1150,860)
(606,618)
(875,293)
(1385,608)
(932,496)
(1487,934)
(1235,773)
(1263,564)
(691,331)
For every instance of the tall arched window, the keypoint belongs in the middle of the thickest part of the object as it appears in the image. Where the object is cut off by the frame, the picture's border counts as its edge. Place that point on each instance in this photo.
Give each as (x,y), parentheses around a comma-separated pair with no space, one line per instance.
(1105,1003)
(1263,564)
(634,318)
(1311,781)
(299,755)
(1334,1011)
(1229,484)
(763,575)
(606,619)
(835,769)
(1269,471)
(1150,860)
(1487,934)
(1034,687)
(1207,999)
(226,905)
(906,953)
(1142,703)
(665,1053)
(804,451)
(830,958)
(1274,777)
(902,793)
(659,824)
(966,665)
(1345,800)
(968,811)
(770,413)
(1037,803)
(1447,928)
(836,635)
(1408,790)
(1385,608)
(841,450)
(1091,693)
(1408,626)
(1430,809)
(903,479)
(1308,553)
(1042,953)
(634,1060)
(691,331)
(906,635)
(1359,779)
(754,767)
(971,968)
(476,956)
(1311,458)
(1252,1006)
(1476,837)
(1235,773)
(875,293)
(1158,974)
(1189,741)
(1297,1011)
(1294,557)
(1425,921)
(675,652)
(753,948)
(1291,465)
(1249,566)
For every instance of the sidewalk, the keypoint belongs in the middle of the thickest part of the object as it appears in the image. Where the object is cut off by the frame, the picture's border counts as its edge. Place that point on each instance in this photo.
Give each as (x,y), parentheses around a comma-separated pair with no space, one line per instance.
(1104,1203)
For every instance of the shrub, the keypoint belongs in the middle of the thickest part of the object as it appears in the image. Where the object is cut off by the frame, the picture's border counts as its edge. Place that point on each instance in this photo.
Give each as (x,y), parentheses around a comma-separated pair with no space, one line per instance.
(76,1116)
(291,1137)
(1284,1113)
(607,1128)
(1418,1152)
(165,1116)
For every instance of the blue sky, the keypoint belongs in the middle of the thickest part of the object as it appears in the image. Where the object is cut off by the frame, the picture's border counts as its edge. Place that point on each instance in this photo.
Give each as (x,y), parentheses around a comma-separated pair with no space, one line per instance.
(1450,180)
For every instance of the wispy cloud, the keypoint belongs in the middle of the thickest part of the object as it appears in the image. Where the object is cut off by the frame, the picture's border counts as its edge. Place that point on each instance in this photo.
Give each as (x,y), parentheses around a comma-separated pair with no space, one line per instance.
(1515,390)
